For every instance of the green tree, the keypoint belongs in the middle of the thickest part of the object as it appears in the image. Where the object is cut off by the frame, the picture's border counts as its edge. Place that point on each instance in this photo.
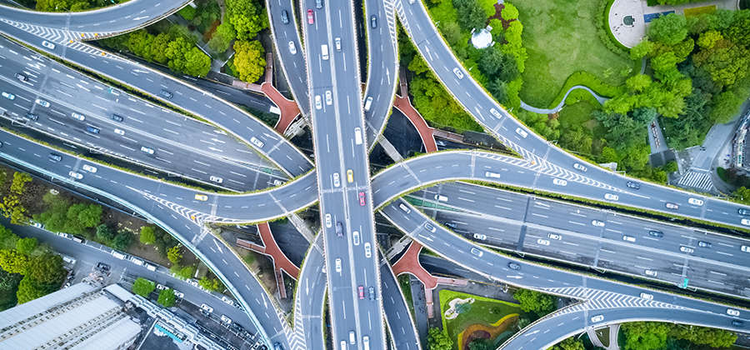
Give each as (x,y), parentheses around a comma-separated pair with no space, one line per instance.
(174,254)
(105,233)
(197,63)
(148,235)
(510,12)
(470,14)
(645,335)
(742,194)
(222,37)
(185,272)
(641,50)
(247,17)
(166,297)
(638,82)
(533,301)
(19,182)
(30,289)
(46,268)
(13,261)
(726,106)
(249,59)
(571,343)
(187,12)
(26,245)
(438,339)
(8,239)
(122,241)
(211,284)
(143,287)
(715,338)
(669,29)
(479,344)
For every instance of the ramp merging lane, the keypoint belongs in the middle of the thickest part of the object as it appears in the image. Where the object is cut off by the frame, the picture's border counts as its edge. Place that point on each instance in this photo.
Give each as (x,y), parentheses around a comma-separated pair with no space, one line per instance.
(283,22)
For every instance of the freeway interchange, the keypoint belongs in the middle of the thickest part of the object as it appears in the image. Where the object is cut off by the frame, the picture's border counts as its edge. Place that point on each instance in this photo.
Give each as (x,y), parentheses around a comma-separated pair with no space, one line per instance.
(232,150)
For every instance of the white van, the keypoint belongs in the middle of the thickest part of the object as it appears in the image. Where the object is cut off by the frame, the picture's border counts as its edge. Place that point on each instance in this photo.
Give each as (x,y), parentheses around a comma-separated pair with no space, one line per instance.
(491,174)
(136,261)
(324,51)
(150,267)
(404,208)
(352,338)
(68,260)
(119,255)
(358,136)
(521,132)
(441,198)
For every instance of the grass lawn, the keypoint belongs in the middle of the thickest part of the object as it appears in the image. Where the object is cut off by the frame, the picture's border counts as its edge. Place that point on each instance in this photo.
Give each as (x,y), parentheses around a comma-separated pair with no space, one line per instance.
(560,38)
(579,113)
(483,311)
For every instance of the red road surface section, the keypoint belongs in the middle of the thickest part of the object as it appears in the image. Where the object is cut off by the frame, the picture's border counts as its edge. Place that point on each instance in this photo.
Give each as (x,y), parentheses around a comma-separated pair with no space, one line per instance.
(289,109)
(279,260)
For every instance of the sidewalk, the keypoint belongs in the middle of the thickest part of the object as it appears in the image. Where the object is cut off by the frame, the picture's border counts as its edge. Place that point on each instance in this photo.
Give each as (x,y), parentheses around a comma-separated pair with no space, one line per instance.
(402,103)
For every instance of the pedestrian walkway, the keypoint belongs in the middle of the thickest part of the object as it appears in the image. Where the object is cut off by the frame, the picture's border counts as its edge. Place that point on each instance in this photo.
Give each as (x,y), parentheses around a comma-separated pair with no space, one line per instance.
(289,108)
(697,179)
(562,103)
(656,138)
(279,260)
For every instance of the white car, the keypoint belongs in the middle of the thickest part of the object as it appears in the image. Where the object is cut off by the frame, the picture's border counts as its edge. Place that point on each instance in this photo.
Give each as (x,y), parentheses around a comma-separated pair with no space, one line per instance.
(42,103)
(216,179)
(480,236)
(580,167)
(48,45)
(554,236)
(179,294)
(597,318)
(9,96)
(541,241)
(673,206)
(559,182)
(651,273)
(318,102)
(355,237)
(256,142)
(627,238)
(338,265)
(227,300)
(745,249)
(687,250)
(226,320)
(733,312)
(521,132)
(647,296)
(120,132)
(368,250)
(610,196)
(78,116)
(207,308)
(336,180)
(75,175)
(495,113)
(695,201)
(477,252)
(147,150)
(337,43)
(458,73)
(160,286)
(329,98)
(328,220)
(292,48)
(597,223)
(89,168)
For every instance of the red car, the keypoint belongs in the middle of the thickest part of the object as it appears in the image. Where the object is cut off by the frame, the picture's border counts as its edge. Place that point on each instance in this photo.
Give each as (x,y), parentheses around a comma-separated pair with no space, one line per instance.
(310,17)
(361,292)
(362,199)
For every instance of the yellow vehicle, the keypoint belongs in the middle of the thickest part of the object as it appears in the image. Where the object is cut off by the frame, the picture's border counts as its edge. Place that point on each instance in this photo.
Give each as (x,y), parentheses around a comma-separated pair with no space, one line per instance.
(350,175)
(201,197)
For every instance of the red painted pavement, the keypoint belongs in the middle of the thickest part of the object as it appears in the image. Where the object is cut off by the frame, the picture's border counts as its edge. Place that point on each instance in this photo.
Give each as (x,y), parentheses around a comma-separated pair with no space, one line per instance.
(289,109)
(278,258)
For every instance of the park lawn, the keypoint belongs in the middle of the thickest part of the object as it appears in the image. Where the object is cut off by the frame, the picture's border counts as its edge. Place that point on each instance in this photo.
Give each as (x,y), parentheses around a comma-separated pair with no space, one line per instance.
(484,311)
(579,113)
(560,37)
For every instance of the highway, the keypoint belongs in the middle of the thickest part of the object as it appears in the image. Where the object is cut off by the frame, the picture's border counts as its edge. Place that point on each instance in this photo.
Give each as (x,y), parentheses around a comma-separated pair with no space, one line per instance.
(110,20)
(529,275)
(310,297)
(169,90)
(400,320)
(286,37)
(538,151)
(562,231)
(382,67)
(184,225)
(142,124)
(343,175)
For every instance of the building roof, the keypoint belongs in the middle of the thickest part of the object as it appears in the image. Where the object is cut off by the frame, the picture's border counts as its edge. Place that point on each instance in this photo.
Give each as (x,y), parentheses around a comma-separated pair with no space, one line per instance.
(481,38)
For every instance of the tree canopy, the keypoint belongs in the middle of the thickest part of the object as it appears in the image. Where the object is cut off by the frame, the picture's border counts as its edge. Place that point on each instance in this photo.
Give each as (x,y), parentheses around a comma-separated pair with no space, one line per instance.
(143,287)
(438,339)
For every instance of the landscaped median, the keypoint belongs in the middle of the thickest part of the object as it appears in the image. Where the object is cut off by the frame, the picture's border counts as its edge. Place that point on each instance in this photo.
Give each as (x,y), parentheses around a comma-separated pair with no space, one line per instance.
(468,317)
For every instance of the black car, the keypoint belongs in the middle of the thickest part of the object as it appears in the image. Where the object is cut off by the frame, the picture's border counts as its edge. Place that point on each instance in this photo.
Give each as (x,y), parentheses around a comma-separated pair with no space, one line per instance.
(514,266)
(339,229)
(634,185)
(166,94)
(32,116)
(737,323)
(657,234)
(743,211)
(450,224)
(21,77)
(103,267)
(117,118)
(372,292)
(374,21)
(284,17)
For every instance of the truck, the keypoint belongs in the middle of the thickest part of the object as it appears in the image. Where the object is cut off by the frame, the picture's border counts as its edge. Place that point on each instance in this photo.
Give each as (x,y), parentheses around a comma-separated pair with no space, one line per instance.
(150,267)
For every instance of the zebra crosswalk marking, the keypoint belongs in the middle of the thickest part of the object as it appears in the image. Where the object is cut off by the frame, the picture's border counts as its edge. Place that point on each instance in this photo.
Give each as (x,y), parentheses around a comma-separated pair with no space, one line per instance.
(696,179)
